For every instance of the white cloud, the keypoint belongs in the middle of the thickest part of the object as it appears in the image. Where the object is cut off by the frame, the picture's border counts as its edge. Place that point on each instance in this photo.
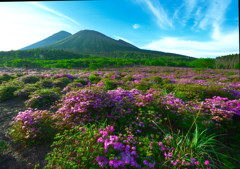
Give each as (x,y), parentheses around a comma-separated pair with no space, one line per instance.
(158,11)
(117,37)
(221,45)
(136,26)
(24,24)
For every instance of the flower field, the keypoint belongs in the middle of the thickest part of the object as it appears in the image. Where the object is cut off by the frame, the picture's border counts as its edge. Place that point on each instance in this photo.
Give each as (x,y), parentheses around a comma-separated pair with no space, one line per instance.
(136,117)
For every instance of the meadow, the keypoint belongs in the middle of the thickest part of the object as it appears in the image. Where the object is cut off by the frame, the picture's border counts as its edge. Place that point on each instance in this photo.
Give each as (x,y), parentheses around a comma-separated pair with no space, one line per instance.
(130,117)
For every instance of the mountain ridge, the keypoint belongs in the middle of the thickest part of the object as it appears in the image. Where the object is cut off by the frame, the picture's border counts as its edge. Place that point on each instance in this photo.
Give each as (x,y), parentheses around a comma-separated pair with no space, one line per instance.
(49,40)
(91,41)
(96,43)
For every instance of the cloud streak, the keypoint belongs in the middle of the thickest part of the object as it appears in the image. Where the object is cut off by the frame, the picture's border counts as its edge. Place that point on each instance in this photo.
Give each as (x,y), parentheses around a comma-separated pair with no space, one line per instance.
(158,11)
(215,14)
(54,12)
(25,24)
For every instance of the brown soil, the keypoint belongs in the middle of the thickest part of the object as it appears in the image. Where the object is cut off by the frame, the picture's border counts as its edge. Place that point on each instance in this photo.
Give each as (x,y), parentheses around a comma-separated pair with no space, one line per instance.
(17,156)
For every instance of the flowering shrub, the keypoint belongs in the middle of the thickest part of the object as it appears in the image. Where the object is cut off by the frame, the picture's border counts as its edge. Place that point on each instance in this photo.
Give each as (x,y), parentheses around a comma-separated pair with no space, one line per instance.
(88,105)
(43,98)
(90,147)
(33,127)
(143,115)
(220,109)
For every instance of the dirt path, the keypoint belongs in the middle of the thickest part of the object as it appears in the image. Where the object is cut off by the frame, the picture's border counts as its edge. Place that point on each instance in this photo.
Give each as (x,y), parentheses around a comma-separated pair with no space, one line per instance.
(16,156)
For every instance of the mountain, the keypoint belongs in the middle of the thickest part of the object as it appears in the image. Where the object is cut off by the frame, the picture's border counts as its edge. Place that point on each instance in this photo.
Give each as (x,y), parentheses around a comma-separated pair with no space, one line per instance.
(89,41)
(49,40)
(93,42)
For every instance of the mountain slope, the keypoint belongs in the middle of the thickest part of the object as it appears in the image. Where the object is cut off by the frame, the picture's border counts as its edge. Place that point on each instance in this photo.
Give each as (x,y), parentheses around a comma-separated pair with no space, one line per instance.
(89,41)
(49,40)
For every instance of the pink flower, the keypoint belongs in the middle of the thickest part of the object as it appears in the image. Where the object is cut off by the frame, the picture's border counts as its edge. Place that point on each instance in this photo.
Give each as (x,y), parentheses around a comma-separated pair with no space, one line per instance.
(197,162)
(206,163)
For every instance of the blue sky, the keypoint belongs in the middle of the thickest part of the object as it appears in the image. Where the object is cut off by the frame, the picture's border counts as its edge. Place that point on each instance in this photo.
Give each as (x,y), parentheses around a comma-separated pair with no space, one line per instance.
(198,28)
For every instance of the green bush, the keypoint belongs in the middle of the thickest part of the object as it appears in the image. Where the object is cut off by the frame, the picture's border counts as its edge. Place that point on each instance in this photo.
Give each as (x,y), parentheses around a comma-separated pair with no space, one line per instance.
(230,73)
(15,82)
(142,86)
(6,92)
(109,85)
(43,98)
(62,82)
(128,78)
(26,91)
(94,78)
(65,147)
(3,146)
(82,81)
(30,79)
(156,80)
(6,77)
(46,83)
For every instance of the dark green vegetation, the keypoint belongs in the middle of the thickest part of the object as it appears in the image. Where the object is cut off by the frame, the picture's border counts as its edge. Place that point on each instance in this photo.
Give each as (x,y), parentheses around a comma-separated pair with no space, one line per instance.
(228,62)
(51,39)
(42,58)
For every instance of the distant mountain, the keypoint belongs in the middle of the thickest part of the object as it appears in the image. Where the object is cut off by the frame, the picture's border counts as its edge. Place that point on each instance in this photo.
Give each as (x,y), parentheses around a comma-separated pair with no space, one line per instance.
(89,41)
(49,40)
(93,42)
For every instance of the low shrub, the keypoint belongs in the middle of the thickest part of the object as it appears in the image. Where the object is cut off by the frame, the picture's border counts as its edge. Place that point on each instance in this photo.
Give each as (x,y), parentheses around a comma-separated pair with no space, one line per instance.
(62,82)
(6,92)
(156,80)
(15,82)
(26,91)
(109,85)
(30,79)
(43,98)
(81,80)
(3,146)
(89,105)
(93,147)
(6,77)
(45,83)
(33,127)
(94,78)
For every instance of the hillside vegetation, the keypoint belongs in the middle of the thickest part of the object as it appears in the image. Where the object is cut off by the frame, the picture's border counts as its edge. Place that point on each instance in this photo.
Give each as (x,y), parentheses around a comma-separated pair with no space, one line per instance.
(228,62)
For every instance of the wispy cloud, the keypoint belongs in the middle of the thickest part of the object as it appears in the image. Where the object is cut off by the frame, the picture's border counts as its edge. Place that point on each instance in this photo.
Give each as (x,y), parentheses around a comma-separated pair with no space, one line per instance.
(190,6)
(223,44)
(54,12)
(136,26)
(215,14)
(158,11)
